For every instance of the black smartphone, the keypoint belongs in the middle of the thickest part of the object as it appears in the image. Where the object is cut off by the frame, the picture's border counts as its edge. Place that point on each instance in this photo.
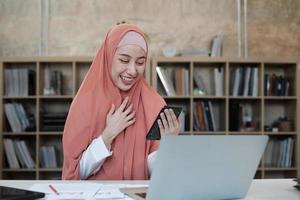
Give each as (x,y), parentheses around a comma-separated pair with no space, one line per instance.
(154,132)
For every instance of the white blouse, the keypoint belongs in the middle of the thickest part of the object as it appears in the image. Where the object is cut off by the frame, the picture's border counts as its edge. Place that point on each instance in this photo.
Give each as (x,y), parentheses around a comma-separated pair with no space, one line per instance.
(94,156)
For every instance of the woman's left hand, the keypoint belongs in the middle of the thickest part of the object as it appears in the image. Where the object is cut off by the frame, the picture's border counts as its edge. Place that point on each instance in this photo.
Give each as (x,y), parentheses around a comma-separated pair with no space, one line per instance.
(169,124)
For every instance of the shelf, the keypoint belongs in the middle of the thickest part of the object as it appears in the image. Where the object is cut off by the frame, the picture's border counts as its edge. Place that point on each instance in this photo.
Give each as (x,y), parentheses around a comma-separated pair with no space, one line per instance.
(50,169)
(18,134)
(177,97)
(280,133)
(209,97)
(41,133)
(264,109)
(280,97)
(18,170)
(56,97)
(245,133)
(245,97)
(243,108)
(209,133)
(280,169)
(19,98)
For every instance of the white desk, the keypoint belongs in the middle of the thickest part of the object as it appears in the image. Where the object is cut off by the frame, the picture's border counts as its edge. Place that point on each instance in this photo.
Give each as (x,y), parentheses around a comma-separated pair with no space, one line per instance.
(275,189)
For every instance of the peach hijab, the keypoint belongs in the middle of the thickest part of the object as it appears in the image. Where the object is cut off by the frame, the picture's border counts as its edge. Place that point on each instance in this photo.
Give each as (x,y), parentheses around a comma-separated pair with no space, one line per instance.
(87,117)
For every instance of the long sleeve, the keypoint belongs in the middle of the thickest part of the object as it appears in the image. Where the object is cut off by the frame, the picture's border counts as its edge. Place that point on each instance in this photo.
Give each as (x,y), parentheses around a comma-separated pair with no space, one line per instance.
(93,158)
(151,160)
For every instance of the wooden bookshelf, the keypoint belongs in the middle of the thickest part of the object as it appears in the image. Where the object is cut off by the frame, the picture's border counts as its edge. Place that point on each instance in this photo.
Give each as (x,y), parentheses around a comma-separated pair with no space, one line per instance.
(75,68)
(73,71)
(265,109)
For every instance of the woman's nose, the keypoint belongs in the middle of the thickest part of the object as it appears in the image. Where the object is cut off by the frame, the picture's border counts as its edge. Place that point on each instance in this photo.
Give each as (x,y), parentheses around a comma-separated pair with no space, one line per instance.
(132,69)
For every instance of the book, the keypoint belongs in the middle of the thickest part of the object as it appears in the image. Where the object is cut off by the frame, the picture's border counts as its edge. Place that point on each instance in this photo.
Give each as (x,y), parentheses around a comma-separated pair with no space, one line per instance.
(199,83)
(179,81)
(19,82)
(165,78)
(217,45)
(236,82)
(247,81)
(18,118)
(279,152)
(219,81)
(11,154)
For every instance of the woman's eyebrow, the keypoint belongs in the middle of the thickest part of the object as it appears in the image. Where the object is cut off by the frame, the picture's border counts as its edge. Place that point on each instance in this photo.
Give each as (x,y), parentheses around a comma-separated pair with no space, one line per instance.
(122,54)
(142,57)
(126,55)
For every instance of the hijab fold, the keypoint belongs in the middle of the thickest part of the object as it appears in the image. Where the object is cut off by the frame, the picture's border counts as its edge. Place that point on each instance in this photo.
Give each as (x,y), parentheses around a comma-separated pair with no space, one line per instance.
(87,118)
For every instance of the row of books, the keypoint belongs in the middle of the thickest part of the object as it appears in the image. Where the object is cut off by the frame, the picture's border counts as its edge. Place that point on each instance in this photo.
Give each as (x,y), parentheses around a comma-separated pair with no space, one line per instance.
(204,119)
(175,81)
(215,76)
(17,154)
(19,120)
(48,157)
(54,121)
(19,82)
(277,85)
(53,82)
(279,152)
(244,81)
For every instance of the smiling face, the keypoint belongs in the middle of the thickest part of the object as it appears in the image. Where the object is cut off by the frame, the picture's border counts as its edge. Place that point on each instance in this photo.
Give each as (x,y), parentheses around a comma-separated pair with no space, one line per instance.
(128,66)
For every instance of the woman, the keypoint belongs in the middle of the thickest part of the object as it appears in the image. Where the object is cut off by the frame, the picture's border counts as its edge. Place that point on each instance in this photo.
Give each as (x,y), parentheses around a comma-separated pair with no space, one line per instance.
(105,132)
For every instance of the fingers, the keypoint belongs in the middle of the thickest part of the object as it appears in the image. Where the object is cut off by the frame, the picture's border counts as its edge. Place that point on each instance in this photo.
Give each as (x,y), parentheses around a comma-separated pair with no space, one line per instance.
(130,122)
(169,117)
(160,126)
(123,105)
(130,116)
(169,123)
(112,110)
(164,120)
(128,110)
(174,119)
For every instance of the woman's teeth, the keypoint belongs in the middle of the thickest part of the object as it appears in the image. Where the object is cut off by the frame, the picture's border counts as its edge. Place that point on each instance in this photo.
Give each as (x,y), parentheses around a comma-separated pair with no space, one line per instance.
(126,78)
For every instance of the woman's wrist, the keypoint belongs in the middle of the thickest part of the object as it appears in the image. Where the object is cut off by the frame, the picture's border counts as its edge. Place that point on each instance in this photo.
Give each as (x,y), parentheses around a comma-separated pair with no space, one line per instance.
(107,139)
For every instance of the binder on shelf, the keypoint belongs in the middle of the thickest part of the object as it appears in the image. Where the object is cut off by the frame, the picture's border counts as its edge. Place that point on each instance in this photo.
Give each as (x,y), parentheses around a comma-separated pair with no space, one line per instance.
(19,120)
(10,153)
(200,89)
(204,118)
(244,81)
(217,45)
(48,157)
(166,80)
(17,151)
(219,81)
(279,152)
(19,82)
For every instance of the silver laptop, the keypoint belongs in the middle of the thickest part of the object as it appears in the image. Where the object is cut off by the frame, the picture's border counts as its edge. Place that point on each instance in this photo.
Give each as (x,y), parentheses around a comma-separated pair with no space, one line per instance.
(203,167)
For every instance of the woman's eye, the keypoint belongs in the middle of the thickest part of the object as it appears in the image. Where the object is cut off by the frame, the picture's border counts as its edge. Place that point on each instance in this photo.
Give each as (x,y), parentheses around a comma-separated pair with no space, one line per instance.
(124,61)
(140,62)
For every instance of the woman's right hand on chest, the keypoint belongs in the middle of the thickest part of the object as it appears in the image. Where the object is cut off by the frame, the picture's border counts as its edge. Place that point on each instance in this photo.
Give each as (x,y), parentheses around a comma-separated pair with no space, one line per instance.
(117,120)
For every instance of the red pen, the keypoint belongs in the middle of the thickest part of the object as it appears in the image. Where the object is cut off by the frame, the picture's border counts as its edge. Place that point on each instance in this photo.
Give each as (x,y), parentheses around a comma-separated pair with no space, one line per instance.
(53,189)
